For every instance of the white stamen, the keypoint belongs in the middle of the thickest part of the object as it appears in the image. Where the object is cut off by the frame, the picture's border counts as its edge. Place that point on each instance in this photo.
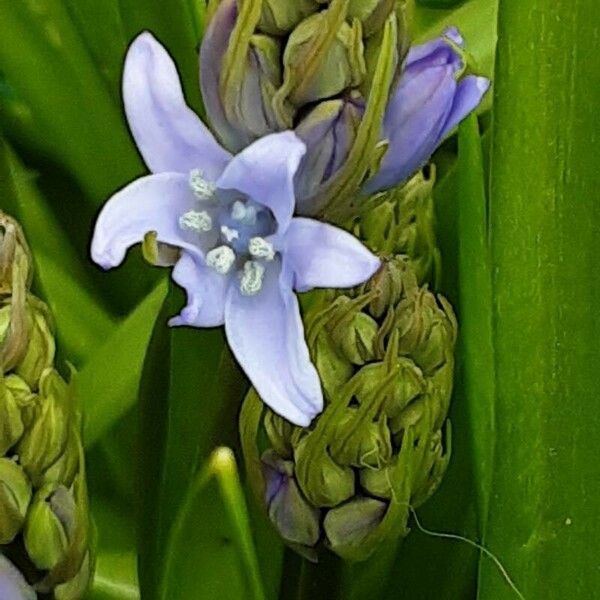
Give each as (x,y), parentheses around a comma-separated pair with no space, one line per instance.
(221,259)
(260,248)
(198,221)
(204,189)
(252,278)
(242,212)
(230,234)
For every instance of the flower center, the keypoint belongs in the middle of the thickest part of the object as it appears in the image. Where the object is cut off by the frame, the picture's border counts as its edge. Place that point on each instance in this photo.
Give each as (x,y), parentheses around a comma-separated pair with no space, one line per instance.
(235,229)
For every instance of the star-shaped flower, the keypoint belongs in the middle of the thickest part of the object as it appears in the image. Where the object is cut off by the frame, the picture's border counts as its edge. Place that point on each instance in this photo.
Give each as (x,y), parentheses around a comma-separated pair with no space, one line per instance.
(243,253)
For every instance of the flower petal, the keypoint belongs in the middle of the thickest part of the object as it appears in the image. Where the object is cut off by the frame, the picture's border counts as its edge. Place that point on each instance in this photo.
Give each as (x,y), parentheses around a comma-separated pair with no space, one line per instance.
(414,122)
(266,335)
(265,172)
(321,255)
(470,91)
(152,203)
(169,135)
(12,584)
(206,291)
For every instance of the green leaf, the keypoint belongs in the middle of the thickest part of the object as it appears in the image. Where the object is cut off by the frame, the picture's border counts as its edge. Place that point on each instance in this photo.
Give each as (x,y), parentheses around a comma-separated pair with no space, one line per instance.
(230,523)
(543,514)
(61,278)
(59,104)
(475,314)
(108,384)
(115,576)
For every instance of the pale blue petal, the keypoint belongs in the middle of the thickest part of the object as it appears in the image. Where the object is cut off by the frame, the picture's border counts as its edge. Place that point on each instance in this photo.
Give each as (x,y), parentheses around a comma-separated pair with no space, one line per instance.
(168,134)
(206,291)
(12,584)
(413,123)
(152,203)
(265,170)
(266,335)
(470,91)
(321,255)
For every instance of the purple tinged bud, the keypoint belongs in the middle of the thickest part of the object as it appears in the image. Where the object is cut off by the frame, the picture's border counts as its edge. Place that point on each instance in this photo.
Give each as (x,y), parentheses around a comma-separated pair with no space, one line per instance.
(12,584)
(329,132)
(431,98)
(294,518)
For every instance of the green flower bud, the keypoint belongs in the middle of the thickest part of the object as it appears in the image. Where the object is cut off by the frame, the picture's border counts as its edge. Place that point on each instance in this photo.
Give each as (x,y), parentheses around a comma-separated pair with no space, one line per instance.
(46,439)
(323,57)
(75,588)
(15,496)
(279,18)
(348,525)
(403,222)
(11,422)
(24,398)
(381,444)
(41,346)
(49,526)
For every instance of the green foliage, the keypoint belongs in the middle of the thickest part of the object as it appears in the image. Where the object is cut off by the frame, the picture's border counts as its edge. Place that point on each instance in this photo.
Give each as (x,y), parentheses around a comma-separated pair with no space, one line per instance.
(521,275)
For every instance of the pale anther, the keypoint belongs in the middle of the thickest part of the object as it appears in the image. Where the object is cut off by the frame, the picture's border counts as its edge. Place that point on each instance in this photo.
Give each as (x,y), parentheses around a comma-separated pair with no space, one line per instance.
(229,234)
(198,221)
(252,278)
(221,259)
(243,213)
(204,189)
(261,248)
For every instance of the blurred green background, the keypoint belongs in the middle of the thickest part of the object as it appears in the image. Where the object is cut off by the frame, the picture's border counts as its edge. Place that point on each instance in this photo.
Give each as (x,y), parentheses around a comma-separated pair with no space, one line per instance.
(519,227)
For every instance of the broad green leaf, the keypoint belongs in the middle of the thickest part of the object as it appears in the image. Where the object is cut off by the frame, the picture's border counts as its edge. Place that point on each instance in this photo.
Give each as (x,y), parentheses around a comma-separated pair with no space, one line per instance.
(543,513)
(62,279)
(115,577)
(108,384)
(475,314)
(220,542)
(59,104)
(100,25)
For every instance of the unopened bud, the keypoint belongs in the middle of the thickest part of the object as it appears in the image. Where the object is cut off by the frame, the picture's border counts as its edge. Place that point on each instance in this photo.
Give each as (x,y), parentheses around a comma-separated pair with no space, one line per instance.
(15,496)
(45,440)
(295,519)
(278,18)
(11,423)
(49,526)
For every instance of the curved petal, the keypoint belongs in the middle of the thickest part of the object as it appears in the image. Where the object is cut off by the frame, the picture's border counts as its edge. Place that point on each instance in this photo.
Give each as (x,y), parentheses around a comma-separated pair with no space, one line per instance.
(265,172)
(321,255)
(206,291)
(266,335)
(437,52)
(414,123)
(469,93)
(12,584)
(152,203)
(169,135)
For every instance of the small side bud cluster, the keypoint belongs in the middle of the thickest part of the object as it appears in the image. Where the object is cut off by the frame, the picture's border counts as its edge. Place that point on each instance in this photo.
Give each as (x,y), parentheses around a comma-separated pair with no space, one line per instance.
(385,354)
(44,521)
(402,222)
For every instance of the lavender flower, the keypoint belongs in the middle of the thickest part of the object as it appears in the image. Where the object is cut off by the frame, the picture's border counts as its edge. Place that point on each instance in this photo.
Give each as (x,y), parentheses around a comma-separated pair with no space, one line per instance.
(431,99)
(242,253)
(12,584)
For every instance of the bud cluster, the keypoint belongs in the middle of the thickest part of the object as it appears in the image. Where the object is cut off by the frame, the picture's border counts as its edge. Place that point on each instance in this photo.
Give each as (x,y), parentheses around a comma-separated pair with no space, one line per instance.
(44,522)
(325,68)
(385,355)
